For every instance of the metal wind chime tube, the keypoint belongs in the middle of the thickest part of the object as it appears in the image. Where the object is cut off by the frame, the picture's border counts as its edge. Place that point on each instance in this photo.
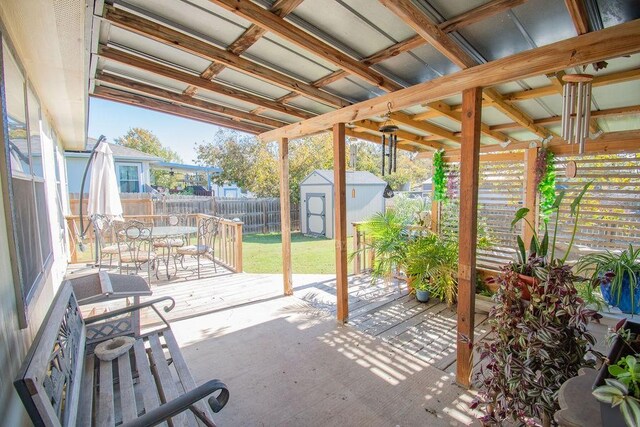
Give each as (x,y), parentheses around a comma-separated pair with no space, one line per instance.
(384,152)
(576,109)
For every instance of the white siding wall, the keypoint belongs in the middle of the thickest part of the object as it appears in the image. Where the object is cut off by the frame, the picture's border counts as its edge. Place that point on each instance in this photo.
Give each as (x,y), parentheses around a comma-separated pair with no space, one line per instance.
(76,165)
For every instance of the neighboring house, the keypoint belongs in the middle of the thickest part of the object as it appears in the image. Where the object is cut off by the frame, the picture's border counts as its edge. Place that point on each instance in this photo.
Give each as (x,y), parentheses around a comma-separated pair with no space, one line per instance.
(195,176)
(364,199)
(132,168)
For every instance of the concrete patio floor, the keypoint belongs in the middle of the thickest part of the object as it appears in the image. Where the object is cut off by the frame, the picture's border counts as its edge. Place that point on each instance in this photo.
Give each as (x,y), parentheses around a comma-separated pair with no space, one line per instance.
(288,363)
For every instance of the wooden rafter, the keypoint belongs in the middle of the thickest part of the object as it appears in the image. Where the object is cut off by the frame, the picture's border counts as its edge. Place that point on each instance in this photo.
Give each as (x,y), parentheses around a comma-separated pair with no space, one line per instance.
(185,100)
(478,14)
(179,40)
(491,8)
(619,111)
(611,42)
(272,22)
(430,128)
(430,31)
(446,110)
(602,80)
(117,95)
(194,80)
(579,15)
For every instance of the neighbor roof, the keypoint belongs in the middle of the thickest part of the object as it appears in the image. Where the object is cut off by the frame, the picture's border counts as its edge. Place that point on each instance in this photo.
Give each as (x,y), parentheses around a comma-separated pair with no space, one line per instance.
(119,152)
(260,65)
(186,168)
(353,177)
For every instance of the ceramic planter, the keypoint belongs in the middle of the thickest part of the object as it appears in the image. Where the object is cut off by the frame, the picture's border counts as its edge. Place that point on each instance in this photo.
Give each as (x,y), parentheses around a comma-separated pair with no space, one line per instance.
(624,304)
(612,417)
(525,283)
(422,296)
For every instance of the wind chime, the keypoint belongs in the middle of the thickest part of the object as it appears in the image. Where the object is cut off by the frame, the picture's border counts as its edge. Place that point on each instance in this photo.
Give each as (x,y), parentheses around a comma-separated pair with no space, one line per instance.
(576,113)
(389,149)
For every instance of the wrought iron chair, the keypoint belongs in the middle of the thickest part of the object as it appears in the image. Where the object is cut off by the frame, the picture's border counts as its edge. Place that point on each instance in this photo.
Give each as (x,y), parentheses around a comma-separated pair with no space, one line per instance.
(135,246)
(168,243)
(104,237)
(205,244)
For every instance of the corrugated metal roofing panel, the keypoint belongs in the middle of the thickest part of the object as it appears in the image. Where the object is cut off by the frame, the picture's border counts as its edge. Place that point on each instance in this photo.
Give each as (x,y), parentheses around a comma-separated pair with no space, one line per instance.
(279,116)
(618,95)
(491,116)
(449,9)
(354,88)
(545,21)
(421,64)
(495,37)
(135,42)
(614,12)
(620,123)
(247,83)
(202,15)
(445,122)
(209,96)
(310,105)
(532,108)
(141,75)
(286,55)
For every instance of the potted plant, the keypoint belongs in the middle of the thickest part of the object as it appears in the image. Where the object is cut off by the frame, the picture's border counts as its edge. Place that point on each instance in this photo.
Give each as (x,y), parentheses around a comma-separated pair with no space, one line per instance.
(617,275)
(431,263)
(617,385)
(534,347)
(541,252)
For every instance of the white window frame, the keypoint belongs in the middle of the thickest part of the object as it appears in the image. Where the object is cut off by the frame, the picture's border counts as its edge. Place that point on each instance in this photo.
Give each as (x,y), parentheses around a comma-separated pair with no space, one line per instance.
(118,165)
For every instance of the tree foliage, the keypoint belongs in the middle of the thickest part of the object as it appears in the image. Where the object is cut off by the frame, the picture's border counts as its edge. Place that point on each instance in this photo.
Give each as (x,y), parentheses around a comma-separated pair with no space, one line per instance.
(145,141)
(253,165)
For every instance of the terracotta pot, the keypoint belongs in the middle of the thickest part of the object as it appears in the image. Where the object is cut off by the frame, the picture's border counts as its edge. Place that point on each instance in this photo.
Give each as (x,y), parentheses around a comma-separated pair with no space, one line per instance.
(524,283)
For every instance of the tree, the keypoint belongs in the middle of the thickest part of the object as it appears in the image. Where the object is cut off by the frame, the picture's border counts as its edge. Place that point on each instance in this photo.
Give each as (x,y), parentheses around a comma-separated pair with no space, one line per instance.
(253,165)
(145,141)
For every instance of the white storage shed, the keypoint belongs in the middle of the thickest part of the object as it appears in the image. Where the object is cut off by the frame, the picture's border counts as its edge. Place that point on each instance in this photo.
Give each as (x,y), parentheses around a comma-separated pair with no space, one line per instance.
(364,199)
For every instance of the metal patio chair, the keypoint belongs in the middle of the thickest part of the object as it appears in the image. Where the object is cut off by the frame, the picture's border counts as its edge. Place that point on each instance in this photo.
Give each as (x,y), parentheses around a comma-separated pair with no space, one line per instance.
(205,243)
(103,231)
(135,246)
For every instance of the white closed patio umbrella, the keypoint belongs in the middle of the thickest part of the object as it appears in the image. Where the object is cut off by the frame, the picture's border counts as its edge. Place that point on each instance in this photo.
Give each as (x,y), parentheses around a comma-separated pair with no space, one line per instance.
(104,194)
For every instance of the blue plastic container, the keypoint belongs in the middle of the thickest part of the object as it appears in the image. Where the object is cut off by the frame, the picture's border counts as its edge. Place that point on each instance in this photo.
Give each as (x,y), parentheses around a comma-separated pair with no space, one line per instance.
(422,296)
(625,297)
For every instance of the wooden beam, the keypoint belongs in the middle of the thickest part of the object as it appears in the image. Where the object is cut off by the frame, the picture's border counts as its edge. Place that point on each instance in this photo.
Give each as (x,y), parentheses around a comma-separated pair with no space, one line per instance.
(468,229)
(194,46)
(190,79)
(430,128)
(515,114)
(610,142)
(620,111)
(402,134)
(601,80)
(611,42)
(495,157)
(446,110)
(176,110)
(478,14)
(186,100)
(579,15)
(285,215)
(340,221)
(530,193)
(423,25)
(272,22)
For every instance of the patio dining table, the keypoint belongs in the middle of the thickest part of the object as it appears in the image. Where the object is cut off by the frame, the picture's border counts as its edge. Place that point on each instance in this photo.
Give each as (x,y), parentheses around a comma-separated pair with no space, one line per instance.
(168,232)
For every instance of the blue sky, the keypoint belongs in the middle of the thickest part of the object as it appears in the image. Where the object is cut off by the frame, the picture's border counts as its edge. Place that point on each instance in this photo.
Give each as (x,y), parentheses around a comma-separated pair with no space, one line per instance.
(113,119)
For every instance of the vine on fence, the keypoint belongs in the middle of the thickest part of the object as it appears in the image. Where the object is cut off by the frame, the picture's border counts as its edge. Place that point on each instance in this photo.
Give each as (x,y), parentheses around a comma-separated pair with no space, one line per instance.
(546,181)
(439,180)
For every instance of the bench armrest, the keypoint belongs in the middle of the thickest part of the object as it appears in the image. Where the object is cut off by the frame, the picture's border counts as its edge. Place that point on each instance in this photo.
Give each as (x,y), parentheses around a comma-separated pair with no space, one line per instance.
(184,402)
(120,311)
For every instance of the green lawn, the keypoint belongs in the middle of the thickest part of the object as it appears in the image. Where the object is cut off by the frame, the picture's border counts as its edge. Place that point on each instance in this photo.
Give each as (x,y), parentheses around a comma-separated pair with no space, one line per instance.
(262,253)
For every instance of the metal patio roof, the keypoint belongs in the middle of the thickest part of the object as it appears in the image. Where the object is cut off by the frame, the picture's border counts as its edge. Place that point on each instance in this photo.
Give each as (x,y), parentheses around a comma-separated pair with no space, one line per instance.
(159,55)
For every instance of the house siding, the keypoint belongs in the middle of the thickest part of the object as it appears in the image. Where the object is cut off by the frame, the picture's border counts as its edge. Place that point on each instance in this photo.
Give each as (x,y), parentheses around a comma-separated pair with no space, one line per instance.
(76,166)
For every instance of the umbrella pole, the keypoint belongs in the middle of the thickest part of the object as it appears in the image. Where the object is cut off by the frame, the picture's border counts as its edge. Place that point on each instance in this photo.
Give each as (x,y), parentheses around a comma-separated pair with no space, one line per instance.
(83,230)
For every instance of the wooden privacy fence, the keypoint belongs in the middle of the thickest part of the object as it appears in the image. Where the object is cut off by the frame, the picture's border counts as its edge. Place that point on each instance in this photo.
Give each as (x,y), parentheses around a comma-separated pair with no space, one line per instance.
(228,244)
(260,215)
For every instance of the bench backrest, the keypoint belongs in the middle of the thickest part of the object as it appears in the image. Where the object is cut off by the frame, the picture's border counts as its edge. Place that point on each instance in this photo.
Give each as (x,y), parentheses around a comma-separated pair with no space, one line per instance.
(49,380)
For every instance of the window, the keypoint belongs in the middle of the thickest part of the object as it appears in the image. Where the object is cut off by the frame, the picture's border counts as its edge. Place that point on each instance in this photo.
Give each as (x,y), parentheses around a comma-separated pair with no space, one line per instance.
(27,215)
(128,177)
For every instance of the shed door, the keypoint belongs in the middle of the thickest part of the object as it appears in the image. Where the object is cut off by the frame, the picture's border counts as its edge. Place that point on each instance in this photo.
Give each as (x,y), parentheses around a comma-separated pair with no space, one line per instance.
(316,219)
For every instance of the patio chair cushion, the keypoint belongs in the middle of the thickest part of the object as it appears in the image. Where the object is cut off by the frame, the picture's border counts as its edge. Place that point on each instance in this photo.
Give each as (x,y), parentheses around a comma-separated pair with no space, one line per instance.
(194,250)
(164,243)
(141,257)
(111,249)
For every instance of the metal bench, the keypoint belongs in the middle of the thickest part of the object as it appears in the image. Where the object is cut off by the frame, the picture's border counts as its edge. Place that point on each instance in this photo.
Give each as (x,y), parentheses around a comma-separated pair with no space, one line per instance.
(61,384)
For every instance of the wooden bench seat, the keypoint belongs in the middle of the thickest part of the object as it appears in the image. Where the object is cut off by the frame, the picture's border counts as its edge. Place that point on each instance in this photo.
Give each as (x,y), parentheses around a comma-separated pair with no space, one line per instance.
(61,385)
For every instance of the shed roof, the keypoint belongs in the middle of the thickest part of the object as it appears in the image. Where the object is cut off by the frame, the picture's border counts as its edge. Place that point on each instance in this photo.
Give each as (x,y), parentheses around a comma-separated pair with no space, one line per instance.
(353,177)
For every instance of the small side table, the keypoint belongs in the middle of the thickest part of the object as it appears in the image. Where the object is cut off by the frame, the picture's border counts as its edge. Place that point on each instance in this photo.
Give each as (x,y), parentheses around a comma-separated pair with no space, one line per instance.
(578,407)
(102,286)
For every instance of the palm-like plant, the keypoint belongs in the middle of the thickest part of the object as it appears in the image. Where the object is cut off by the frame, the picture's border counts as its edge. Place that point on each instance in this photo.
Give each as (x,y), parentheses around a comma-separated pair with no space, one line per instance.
(387,238)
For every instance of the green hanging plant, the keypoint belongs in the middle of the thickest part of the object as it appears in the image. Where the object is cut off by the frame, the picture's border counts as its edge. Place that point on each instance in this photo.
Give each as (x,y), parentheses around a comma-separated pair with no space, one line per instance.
(439,179)
(546,182)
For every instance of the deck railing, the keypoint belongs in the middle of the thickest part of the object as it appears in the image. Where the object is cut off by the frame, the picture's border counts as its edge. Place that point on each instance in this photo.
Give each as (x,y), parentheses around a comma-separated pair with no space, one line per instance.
(228,245)
(363,256)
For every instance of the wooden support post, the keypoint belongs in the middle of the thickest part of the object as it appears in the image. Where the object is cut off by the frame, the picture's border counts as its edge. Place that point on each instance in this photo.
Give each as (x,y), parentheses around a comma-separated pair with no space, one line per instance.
(285,217)
(340,207)
(469,178)
(530,193)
